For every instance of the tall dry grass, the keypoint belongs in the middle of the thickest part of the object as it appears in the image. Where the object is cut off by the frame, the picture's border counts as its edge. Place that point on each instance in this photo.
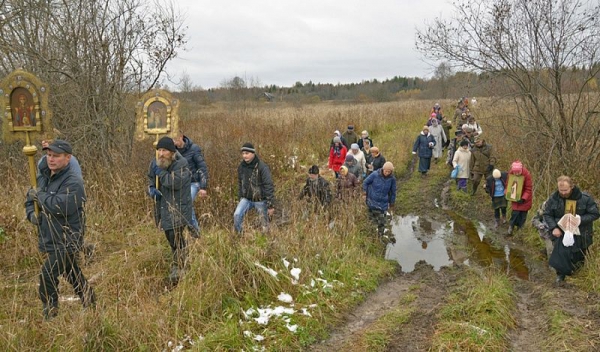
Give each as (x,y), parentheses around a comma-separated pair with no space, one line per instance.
(138,310)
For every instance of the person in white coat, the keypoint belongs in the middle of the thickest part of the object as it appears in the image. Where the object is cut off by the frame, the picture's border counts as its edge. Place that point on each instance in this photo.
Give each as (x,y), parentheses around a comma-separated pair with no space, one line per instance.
(462,160)
(361,161)
(437,131)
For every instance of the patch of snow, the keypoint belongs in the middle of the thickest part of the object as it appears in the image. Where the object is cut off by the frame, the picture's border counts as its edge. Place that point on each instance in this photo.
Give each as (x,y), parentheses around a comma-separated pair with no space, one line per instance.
(268,270)
(284,297)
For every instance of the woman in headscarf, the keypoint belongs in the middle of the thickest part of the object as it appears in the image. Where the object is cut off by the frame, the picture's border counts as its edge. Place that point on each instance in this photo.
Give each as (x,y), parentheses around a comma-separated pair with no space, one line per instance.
(440,138)
(337,156)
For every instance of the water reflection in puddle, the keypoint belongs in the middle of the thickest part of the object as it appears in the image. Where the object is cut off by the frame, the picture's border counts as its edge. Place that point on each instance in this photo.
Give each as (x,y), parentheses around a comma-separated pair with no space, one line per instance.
(418,238)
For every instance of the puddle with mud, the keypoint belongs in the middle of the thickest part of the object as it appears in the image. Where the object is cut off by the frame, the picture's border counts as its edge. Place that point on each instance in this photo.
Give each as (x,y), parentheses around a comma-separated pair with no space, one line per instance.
(419,238)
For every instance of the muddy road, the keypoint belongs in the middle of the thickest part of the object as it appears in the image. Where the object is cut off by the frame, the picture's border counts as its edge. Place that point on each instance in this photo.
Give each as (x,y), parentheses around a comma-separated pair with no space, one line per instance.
(434,245)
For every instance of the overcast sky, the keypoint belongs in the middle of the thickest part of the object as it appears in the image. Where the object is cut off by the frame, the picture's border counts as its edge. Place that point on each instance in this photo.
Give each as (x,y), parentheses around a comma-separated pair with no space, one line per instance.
(282,42)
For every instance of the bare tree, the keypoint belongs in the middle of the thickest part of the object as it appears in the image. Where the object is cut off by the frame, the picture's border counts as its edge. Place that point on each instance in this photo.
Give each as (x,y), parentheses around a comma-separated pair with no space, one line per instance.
(442,73)
(546,54)
(95,55)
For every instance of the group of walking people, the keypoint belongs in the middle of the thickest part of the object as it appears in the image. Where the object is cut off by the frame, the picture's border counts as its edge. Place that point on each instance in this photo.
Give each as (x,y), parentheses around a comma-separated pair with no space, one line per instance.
(179,174)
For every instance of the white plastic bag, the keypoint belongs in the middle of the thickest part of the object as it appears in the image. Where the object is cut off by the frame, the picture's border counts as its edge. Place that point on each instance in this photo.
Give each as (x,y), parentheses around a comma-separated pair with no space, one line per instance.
(568,239)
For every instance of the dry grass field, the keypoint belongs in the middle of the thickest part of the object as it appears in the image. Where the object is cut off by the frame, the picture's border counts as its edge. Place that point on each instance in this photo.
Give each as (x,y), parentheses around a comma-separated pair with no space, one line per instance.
(232,284)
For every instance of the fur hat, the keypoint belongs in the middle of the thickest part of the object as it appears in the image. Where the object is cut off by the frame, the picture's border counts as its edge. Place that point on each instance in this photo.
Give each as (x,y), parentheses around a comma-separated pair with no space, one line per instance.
(388,166)
(248,147)
(166,143)
(496,173)
(314,170)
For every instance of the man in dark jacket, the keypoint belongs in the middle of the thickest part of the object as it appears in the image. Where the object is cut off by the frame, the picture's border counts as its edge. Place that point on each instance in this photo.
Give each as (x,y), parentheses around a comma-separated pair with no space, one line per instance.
(350,137)
(56,208)
(380,192)
(569,199)
(316,187)
(255,188)
(193,154)
(173,199)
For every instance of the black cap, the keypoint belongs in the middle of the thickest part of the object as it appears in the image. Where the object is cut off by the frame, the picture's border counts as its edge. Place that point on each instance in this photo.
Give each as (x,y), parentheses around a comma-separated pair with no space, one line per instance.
(248,147)
(166,143)
(60,146)
(314,170)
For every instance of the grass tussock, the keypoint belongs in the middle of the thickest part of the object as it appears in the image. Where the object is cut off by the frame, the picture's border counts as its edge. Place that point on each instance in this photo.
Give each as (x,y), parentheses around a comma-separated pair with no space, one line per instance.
(477,315)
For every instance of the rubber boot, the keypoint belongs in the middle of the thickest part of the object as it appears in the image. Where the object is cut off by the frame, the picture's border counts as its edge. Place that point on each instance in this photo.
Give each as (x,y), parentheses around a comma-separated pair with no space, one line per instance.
(50,311)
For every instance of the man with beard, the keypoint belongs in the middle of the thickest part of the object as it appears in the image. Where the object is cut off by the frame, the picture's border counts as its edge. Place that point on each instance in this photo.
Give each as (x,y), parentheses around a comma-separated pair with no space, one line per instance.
(173,199)
(570,202)
(255,189)
(56,208)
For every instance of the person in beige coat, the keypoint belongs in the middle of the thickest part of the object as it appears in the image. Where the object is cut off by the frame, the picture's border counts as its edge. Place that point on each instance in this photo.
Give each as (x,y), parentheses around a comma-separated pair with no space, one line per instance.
(462,160)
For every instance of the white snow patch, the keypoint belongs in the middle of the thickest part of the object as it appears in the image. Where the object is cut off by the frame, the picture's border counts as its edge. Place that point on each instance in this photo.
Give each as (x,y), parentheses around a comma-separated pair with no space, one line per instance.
(286,263)
(285,297)
(268,270)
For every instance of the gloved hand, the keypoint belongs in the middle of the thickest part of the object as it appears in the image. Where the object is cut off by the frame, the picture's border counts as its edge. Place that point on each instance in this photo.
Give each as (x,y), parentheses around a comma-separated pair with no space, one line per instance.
(521,201)
(155,169)
(154,193)
(33,219)
(32,194)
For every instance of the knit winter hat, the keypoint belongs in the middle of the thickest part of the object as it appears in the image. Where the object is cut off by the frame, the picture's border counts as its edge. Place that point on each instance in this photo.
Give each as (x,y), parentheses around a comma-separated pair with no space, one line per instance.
(248,147)
(337,140)
(349,157)
(433,114)
(496,173)
(354,146)
(388,166)
(426,128)
(314,170)
(166,143)
(464,142)
(516,167)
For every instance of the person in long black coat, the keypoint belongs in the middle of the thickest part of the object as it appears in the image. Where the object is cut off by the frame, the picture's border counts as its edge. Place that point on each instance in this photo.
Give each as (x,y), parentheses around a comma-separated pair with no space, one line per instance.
(570,199)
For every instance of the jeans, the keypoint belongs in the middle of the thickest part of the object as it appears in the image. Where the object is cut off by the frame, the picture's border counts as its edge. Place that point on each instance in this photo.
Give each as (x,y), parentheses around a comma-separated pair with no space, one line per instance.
(59,263)
(195,189)
(242,208)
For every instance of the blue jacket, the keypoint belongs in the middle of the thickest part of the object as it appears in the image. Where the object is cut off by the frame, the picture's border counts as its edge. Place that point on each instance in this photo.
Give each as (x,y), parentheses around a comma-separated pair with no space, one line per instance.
(422,147)
(193,154)
(381,191)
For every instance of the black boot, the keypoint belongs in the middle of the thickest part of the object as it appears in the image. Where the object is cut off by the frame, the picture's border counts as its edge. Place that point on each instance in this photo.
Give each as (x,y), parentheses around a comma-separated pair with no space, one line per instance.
(50,311)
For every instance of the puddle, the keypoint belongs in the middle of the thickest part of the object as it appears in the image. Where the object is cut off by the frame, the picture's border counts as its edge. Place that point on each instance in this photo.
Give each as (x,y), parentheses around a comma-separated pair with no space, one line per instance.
(419,238)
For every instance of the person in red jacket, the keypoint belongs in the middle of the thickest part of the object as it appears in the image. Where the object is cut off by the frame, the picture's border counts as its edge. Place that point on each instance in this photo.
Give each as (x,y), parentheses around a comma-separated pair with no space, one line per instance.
(519,209)
(337,156)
